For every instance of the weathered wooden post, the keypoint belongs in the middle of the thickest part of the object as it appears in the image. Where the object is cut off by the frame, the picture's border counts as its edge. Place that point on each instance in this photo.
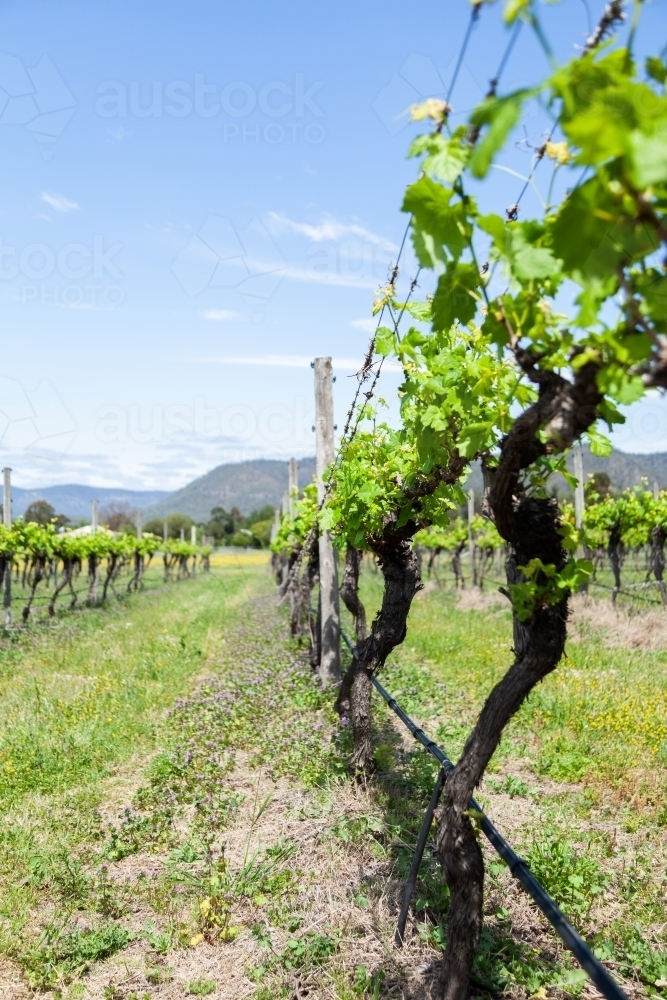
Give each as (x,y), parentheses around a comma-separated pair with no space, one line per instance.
(293,487)
(94,517)
(140,525)
(7,521)
(324,450)
(579,500)
(471,541)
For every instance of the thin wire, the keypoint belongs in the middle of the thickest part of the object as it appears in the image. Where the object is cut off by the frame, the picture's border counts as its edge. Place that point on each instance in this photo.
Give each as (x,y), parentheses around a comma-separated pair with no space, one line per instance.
(508,51)
(364,372)
(474,15)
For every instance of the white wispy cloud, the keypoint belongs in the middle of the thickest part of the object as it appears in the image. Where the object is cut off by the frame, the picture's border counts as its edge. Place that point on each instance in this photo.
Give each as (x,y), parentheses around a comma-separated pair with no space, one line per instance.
(369,325)
(118,134)
(219,315)
(330,229)
(330,276)
(59,202)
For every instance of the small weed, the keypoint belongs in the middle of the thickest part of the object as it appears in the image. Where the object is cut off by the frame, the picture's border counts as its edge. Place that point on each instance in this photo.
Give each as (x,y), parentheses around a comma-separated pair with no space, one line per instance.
(201,987)
(514,786)
(106,895)
(158,974)
(502,962)
(637,955)
(384,756)
(574,880)
(61,955)
(353,830)
(368,985)
(309,949)
(262,936)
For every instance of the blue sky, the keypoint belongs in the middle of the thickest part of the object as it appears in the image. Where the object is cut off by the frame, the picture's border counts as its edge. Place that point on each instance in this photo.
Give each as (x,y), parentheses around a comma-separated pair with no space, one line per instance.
(200,198)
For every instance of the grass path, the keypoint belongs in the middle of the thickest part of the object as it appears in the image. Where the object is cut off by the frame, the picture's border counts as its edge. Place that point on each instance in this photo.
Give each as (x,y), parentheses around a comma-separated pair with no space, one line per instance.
(81,708)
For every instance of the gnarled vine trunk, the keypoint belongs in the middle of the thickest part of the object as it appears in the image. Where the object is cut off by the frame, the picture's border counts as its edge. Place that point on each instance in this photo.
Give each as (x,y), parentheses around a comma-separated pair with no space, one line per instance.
(615,553)
(538,646)
(657,558)
(400,569)
(65,581)
(530,526)
(349,591)
(459,579)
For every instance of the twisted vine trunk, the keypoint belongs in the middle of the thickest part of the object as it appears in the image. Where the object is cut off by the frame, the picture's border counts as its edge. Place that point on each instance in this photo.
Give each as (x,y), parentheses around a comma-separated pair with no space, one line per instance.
(615,553)
(112,569)
(349,591)
(538,646)
(431,560)
(93,578)
(65,581)
(135,582)
(657,558)
(459,579)
(400,568)
(530,527)
(38,574)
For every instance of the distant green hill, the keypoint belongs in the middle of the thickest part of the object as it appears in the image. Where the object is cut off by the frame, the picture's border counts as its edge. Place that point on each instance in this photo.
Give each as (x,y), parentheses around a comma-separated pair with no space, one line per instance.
(624,470)
(246,485)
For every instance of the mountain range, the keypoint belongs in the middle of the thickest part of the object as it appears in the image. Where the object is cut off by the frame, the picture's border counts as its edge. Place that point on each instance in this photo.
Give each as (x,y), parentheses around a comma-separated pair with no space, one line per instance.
(246,485)
(76,501)
(257,483)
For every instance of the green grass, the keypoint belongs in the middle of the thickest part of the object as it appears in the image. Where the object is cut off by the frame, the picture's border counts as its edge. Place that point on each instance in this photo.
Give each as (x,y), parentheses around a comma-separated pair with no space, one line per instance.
(82,707)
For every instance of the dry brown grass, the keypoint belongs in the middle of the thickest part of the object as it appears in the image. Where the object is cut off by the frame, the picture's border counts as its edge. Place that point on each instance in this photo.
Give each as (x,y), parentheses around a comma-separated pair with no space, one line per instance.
(621,626)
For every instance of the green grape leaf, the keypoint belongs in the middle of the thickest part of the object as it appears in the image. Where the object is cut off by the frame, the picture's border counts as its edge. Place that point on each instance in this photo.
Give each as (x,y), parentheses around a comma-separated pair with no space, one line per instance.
(501,115)
(385,341)
(456,296)
(600,443)
(475,438)
(649,157)
(446,158)
(434,216)
(656,69)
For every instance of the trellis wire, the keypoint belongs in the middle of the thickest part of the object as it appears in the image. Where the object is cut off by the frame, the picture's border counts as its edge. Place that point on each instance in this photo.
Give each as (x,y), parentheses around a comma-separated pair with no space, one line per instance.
(367,366)
(605,982)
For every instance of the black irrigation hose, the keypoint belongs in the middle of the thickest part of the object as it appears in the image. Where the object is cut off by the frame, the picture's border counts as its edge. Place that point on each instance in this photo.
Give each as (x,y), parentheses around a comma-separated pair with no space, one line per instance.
(606,984)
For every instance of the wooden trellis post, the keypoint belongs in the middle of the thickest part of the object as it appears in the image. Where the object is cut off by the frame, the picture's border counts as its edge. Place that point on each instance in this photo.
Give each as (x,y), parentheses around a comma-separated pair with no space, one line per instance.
(7,521)
(324,450)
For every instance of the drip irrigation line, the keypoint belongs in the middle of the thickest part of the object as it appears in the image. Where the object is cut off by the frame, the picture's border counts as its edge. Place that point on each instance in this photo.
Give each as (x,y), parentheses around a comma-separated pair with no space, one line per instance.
(606,984)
